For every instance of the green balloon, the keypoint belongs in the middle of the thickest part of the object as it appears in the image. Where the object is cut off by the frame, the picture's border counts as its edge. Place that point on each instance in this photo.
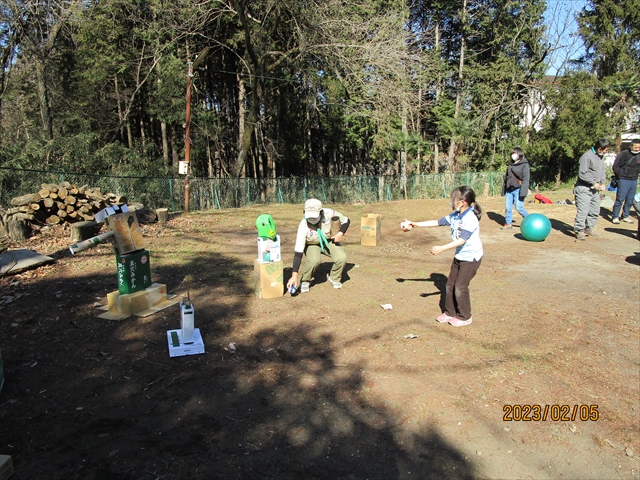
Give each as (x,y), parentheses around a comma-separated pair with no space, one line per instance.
(535,227)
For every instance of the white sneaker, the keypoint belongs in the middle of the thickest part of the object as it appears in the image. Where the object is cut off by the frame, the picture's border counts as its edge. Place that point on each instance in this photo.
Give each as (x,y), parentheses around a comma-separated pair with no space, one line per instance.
(336,285)
(627,220)
(615,220)
(304,287)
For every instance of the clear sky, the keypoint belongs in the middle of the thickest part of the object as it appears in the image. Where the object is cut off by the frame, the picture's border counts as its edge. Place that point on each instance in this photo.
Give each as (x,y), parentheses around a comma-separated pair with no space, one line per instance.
(561,31)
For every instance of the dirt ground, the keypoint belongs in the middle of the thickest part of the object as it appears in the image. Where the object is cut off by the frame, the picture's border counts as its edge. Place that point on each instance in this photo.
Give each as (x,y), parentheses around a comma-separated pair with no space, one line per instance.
(327,384)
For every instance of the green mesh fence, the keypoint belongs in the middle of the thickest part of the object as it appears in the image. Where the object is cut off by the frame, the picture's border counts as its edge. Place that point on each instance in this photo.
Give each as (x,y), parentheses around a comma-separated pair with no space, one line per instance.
(217,193)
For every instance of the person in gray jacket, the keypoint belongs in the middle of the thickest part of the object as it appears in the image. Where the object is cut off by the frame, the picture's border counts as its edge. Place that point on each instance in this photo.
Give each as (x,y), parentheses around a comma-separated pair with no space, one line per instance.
(591,179)
(516,186)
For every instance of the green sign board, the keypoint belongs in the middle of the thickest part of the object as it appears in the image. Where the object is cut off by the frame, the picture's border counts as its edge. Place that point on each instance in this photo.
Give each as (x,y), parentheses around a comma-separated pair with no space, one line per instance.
(134,271)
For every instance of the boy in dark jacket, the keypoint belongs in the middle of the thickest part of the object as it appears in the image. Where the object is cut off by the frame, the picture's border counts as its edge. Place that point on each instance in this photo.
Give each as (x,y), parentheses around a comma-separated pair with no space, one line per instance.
(516,186)
(626,168)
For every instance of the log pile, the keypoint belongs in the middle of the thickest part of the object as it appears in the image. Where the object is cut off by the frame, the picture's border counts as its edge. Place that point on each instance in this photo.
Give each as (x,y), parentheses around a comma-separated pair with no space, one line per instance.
(60,203)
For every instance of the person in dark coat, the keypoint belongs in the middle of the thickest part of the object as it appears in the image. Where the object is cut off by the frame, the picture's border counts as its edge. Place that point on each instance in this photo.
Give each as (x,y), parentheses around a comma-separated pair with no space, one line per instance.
(516,186)
(626,168)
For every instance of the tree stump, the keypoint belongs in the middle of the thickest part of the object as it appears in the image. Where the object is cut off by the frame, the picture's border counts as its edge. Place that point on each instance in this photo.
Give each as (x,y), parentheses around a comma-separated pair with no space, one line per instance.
(163,215)
(18,230)
(84,230)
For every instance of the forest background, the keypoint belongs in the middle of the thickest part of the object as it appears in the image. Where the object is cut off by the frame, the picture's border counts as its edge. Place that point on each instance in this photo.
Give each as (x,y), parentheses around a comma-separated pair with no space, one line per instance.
(325,88)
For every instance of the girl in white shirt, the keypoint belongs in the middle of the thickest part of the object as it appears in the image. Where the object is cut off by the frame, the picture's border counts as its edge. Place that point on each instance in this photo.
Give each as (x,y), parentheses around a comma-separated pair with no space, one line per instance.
(465,236)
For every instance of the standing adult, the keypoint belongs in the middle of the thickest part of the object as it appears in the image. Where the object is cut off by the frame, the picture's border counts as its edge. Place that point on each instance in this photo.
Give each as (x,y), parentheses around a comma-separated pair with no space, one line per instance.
(591,178)
(315,237)
(516,186)
(626,168)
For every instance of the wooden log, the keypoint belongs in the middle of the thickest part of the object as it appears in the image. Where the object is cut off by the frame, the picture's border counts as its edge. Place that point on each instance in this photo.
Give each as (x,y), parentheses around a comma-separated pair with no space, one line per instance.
(73,191)
(163,215)
(48,202)
(94,193)
(62,213)
(34,206)
(44,192)
(144,215)
(22,209)
(120,200)
(62,193)
(23,216)
(70,209)
(18,230)
(65,184)
(53,195)
(22,200)
(84,230)
(70,200)
(53,220)
(87,216)
(5,242)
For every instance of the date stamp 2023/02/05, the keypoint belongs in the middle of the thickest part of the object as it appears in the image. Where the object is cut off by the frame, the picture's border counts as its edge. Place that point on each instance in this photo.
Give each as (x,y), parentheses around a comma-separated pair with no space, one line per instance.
(555,413)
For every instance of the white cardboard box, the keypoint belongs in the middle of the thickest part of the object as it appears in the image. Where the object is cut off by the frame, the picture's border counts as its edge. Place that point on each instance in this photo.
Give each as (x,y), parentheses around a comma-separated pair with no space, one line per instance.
(269,250)
(179,349)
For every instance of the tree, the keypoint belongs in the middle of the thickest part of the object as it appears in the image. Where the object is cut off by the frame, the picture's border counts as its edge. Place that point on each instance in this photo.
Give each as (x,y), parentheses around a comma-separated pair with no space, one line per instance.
(610,30)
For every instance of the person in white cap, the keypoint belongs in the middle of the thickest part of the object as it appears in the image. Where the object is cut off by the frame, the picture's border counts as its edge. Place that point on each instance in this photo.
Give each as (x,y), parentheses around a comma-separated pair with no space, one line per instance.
(314,238)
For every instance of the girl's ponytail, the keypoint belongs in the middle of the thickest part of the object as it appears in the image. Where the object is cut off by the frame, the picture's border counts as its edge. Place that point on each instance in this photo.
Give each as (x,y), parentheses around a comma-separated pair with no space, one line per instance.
(477,210)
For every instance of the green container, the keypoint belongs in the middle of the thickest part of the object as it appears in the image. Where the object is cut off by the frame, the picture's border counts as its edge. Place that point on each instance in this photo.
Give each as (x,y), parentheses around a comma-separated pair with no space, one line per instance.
(1,372)
(134,271)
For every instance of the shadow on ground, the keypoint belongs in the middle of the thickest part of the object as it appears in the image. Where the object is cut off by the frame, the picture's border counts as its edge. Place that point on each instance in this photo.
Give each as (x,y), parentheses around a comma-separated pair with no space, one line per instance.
(496,217)
(86,398)
(562,227)
(633,259)
(622,231)
(439,281)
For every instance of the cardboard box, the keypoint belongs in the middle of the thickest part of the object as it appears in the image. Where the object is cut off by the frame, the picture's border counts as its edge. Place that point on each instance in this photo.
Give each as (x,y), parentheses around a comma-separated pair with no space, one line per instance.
(370,227)
(143,303)
(126,232)
(6,467)
(269,279)
(1,372)
(269,250)
(179,349)
(134,271)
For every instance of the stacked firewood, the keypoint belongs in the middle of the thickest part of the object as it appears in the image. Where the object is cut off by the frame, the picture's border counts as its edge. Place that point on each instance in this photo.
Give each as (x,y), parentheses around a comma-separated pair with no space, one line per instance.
(57,204)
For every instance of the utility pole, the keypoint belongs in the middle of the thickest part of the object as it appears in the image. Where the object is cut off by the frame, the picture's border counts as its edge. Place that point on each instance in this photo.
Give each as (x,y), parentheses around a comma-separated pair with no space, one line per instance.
(191,66)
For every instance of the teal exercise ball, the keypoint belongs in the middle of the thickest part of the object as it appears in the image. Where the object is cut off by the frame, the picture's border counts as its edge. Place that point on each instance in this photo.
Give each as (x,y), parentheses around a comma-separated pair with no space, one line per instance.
(535,227)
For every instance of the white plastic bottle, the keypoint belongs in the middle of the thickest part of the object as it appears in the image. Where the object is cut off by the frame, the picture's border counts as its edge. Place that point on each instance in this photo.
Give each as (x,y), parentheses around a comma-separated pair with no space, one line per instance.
(187,323)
